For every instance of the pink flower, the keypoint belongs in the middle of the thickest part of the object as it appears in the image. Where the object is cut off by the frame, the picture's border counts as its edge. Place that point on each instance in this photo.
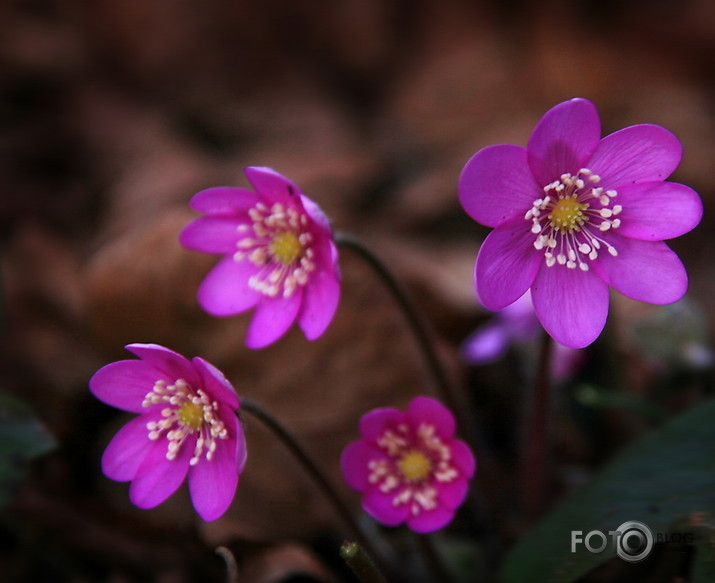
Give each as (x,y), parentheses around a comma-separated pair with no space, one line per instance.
(186,426)
(279,257)
(408,466)
(574,214)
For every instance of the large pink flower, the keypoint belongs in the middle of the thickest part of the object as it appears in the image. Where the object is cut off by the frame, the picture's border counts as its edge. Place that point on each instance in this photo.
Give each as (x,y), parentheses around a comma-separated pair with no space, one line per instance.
(574,214)
(187,425)
(409,466)
(279,256)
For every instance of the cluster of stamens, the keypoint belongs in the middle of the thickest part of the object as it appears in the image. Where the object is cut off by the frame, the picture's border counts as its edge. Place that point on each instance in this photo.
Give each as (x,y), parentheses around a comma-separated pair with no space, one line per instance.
(414,462)
(187,411)
(280,244)
(568,220)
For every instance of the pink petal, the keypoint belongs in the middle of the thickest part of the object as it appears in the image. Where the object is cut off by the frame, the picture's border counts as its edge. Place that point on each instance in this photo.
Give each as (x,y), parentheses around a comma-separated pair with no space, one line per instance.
(430,520)
(171,363)
(463,458)
(658,211)
(489,343)
(223,199)
(640,153)
(383,508)
(354,464)
(125,383)
(215,383)
(273,186)
(374,423)
(128,448)
(320,302)
(507,264)
(225,290)
(272,319)
(213,483)
(157,478)
(316,213)
(648,271)
(211,234)
(496,184)
(563,140)
(431,411)
(452,494)
(571,304)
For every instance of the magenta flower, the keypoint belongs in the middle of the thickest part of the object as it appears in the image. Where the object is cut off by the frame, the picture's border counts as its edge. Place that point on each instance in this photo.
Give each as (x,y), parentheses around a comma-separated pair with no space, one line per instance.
(187,425)
(408,466)
(279,257)
(574,214)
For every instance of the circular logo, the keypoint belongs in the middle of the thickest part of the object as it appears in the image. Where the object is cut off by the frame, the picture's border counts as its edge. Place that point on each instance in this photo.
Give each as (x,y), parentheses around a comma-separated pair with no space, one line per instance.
(635,541)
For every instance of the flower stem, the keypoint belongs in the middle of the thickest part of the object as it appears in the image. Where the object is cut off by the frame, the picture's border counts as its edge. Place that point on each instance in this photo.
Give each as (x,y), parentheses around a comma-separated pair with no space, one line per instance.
(320,479)
(433,558)
(537,442)
(360,564)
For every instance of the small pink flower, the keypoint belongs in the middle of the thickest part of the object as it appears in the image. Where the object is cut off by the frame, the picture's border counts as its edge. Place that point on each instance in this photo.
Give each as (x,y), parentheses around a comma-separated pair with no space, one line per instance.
(574,214)
(187,425)
(279,256)
(409,466)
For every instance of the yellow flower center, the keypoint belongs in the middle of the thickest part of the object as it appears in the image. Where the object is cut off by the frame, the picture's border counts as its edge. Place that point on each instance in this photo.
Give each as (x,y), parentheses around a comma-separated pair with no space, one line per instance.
(567,214)
(415,466)
(286,247)
(191,415)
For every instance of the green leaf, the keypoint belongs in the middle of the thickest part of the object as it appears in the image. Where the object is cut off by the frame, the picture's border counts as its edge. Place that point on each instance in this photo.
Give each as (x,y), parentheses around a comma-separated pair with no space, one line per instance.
(704,565)
(660,481)
(22,437)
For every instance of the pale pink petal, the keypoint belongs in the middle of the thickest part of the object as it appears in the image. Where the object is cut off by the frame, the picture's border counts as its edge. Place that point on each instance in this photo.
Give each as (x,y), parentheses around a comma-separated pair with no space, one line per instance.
(157,478)
(658,211)
(225,290)
(640,153)
(320,302)
(125,383)
(128,448)
(223,200)
(572,305)
(272,319)
(430,520)
(215,383)
(507,264)
(451,495)
(171,363)
(354,464)
(273,186)
(317,214)
(212,483)
(563,140)
(211,234)
(489,343)
(374,423)
(428,410)
(383,508)
(463,458)
(648,271)
(496,185)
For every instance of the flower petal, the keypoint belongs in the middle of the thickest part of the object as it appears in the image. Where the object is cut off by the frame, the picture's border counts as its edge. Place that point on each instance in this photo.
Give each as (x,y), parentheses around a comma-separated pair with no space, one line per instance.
(431,411)
(320,302)
(354,464)
(225,290)
(563,140)
(496,184)
(648,271)
(463,458)
(452,494)
(128,448)
(487,344)
(658,211)
(215,383)
(430,520)
(125,383)
(211,234)
(171,363)
(273,186)
(223,199)
(212,483)
(640,153)
(374,423)
(382,507)
(507,264)
(272,319)
(157,478)
(572,305)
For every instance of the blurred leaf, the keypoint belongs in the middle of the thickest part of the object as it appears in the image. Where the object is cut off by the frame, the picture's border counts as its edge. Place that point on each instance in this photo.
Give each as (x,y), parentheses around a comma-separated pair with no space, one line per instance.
(660,481)
(704,564)
(600,398)
(22,437)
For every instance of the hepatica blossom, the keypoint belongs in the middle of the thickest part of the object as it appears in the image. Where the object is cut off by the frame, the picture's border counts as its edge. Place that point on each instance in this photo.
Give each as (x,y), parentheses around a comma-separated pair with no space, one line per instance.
(187,426)
(409,466)
(574,214)
(279,256)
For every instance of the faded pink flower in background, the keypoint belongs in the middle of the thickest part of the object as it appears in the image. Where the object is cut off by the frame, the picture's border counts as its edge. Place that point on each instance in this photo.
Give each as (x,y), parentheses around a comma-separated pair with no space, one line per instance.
(279,256)
(187,426)
(574,214)
(409,466)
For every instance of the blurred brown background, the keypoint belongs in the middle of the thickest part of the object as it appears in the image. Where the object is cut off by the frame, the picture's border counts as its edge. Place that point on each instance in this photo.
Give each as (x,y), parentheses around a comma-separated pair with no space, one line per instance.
(113,113)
